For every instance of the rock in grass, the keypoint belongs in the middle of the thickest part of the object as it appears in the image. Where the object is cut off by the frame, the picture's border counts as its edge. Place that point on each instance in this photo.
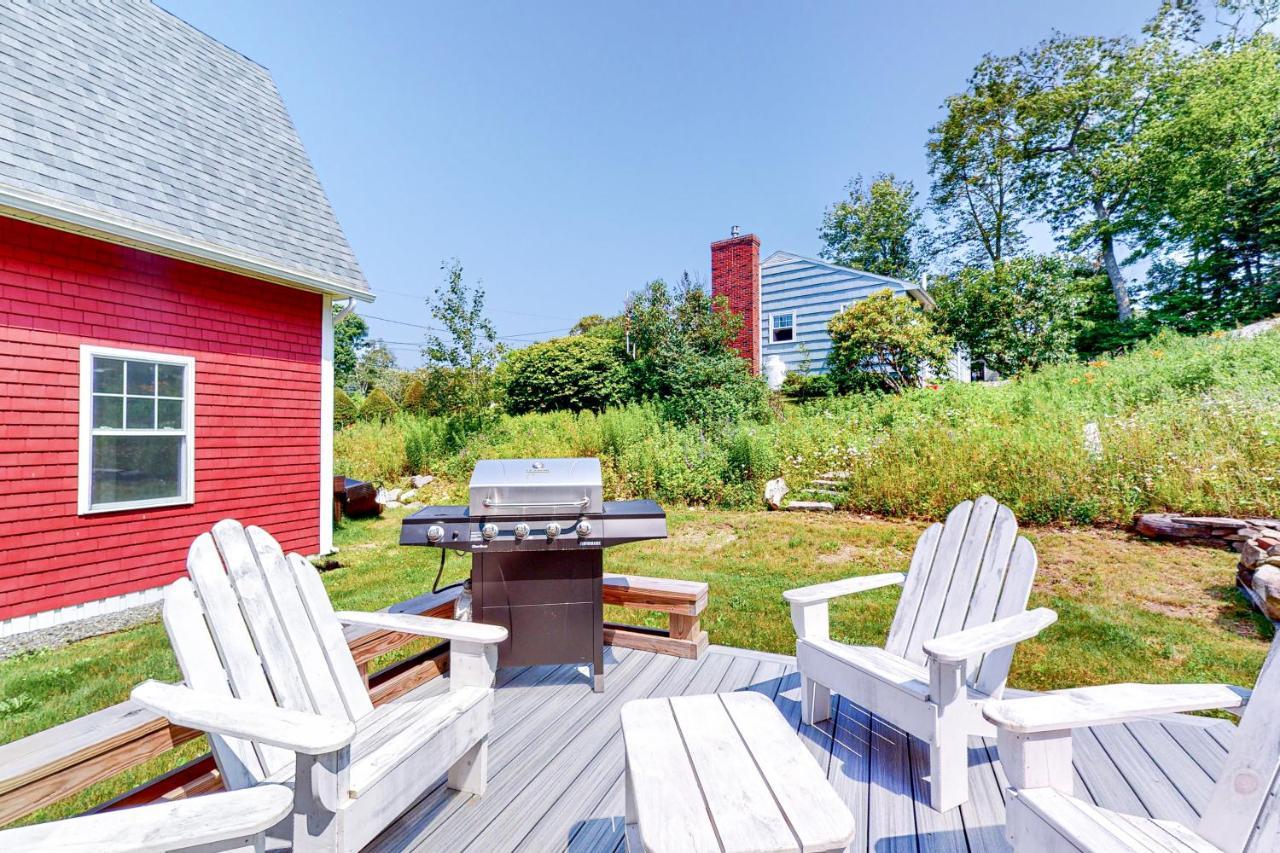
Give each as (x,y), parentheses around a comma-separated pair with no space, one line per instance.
(774,492)
(421,480)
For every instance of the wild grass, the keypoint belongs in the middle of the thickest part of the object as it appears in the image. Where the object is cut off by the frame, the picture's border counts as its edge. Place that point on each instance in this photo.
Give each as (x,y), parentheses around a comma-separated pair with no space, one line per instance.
(1130,610)
(1187,424)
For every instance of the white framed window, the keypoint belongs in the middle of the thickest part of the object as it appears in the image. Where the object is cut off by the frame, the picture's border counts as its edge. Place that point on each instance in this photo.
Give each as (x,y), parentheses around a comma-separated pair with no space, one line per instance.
(781,327)
(137,429)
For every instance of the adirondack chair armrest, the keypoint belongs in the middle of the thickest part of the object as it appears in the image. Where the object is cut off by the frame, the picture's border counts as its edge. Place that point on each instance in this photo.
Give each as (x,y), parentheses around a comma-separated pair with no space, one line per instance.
(297,731)
(971,642)
(427,626)
(809,608)
(1063,710)
(821,593)
(165,825)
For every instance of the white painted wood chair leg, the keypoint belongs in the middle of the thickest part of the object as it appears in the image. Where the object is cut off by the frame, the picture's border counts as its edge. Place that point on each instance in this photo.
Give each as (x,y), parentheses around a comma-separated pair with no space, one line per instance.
(949,749)
(815,701)
(472,664)
(470,773)
(321,785)
(1037,760)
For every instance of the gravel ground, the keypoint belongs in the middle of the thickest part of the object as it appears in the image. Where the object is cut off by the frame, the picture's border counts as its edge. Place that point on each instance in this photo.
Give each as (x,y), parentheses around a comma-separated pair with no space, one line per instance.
(60,635)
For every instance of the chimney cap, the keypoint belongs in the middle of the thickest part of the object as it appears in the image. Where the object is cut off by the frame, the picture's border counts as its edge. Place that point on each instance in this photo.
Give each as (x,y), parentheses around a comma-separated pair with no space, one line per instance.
(735,231)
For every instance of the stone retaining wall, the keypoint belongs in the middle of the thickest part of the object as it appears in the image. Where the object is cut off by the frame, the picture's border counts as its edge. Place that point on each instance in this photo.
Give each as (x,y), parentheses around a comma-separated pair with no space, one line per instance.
(1256,540)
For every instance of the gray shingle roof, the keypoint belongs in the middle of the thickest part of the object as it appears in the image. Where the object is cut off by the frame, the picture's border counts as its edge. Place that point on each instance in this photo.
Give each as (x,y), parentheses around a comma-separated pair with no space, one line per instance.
(119,108)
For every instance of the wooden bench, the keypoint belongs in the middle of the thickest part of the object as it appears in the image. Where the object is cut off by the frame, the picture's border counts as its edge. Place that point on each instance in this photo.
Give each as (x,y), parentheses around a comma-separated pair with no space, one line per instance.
(724,772)
(61,761)
(682,601)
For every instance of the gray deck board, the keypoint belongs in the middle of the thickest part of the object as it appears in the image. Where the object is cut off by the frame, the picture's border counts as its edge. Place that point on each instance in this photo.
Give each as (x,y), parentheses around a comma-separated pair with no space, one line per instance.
(557,757)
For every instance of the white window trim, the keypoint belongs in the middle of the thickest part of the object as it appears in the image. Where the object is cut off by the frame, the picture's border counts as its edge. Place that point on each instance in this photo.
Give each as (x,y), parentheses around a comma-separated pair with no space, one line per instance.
(792,315)
(85,485)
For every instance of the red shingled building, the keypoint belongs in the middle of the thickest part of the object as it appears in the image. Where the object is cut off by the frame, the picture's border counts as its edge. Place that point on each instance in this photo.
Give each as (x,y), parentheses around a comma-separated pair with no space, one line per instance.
(168,266)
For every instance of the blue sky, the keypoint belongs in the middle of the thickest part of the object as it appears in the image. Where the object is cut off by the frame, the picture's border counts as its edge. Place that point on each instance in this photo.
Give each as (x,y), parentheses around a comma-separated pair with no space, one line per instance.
(568,153)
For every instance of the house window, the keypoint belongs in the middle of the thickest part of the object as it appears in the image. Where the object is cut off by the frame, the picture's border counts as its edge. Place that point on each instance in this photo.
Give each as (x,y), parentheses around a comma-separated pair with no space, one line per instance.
(782,327)
(137,429)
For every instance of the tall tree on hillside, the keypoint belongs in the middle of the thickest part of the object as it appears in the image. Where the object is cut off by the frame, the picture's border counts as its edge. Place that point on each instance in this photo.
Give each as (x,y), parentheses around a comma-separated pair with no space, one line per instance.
(350,339)
(975,159)
(375,365)
(877,228)
(464,356)
(1086,101)
(1208,206)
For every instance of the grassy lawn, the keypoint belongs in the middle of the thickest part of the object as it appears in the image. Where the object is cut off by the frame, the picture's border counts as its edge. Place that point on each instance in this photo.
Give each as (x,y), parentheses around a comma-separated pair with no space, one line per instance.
(1130,610)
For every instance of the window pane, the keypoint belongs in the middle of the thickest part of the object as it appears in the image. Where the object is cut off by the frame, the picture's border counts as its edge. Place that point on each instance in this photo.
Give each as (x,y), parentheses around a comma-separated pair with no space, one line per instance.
(169,414)
(136,468)
(108,375)
(169,380)
(108,412)
(140,412)
(141,378)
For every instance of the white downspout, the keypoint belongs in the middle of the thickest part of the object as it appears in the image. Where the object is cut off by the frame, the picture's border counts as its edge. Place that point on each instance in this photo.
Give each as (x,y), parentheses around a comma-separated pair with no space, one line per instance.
(326,421)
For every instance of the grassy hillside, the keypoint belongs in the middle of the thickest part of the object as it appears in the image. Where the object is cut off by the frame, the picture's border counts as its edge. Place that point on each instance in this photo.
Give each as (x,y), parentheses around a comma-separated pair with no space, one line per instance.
(1187,424)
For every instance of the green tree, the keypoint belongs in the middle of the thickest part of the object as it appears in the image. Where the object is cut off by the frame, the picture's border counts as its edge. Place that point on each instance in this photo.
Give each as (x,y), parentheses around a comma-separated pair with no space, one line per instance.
(374,366)
(975,160)
(878,228)
(885,340)
(378,406)
(1086,101)
(1021,314)
(468,350)
(575,373)
(350,338)
(414,398)
(680,356)
(345,411)
(1208,204)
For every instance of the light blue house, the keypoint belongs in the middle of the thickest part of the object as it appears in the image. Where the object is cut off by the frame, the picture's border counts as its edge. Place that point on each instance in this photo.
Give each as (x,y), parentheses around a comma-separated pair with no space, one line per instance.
(799,295)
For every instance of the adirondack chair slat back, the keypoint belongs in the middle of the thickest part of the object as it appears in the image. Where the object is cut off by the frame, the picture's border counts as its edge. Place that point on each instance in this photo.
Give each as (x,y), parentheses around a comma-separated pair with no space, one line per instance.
(259,623)
(967,572)
(1244,809)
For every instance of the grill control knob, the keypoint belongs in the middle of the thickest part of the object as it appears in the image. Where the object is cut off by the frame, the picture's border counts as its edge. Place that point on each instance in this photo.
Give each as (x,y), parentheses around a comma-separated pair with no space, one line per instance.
(553,530)
(584,528)
(435,533)
(489,531)
(521,530)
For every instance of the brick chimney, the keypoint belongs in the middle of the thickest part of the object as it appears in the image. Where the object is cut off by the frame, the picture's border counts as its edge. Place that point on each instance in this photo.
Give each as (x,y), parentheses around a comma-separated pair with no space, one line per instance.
(735,275)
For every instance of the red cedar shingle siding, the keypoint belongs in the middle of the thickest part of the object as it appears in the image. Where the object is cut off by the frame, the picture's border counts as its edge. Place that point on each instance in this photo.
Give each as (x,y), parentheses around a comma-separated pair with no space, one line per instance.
(735,275)
(257,351)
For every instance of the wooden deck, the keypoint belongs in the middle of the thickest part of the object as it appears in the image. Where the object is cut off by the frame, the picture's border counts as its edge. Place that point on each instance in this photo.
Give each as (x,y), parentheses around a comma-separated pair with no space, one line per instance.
(556,763)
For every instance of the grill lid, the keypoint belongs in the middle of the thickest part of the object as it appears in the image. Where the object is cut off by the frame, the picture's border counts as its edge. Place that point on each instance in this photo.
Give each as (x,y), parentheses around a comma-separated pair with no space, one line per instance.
(527,487)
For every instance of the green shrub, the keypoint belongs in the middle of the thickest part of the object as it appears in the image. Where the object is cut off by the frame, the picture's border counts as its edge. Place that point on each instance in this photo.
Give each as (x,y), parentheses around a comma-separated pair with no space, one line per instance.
(886,338)
(378,406)
(577,373)
(415,397)
(714,391)
(345,411)
(803,386)
(751,456)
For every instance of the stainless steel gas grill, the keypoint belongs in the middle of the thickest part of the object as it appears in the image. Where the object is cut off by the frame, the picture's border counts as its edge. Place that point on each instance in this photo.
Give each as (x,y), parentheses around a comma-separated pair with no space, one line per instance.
(537,530)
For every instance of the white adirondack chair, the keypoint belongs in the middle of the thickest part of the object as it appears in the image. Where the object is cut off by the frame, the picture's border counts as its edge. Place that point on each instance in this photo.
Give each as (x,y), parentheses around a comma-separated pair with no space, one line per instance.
(271,680)
(963,609)
(1243,812)
(232,821)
